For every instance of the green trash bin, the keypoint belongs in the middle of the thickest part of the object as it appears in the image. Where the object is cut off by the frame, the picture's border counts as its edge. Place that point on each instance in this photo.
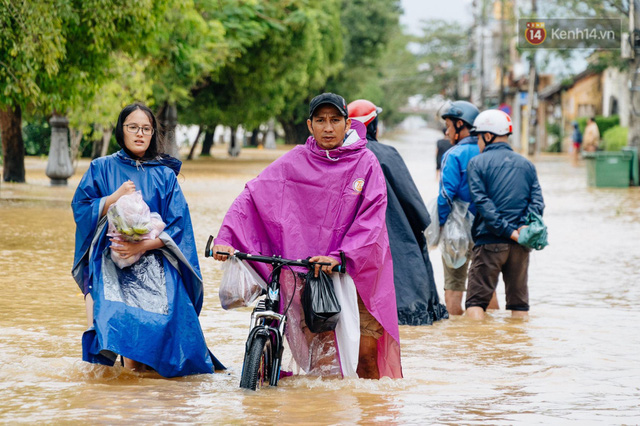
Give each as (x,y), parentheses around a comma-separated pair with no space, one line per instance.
(609,169)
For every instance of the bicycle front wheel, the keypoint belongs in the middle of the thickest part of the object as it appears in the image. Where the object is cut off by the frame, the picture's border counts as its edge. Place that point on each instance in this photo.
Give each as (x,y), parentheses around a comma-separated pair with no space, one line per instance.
(256,371)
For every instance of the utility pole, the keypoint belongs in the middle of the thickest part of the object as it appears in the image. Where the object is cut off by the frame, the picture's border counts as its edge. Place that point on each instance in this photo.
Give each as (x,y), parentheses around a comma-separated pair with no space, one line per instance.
(472,53)
(483,23)
(503,67)
(530,121)
(634,71)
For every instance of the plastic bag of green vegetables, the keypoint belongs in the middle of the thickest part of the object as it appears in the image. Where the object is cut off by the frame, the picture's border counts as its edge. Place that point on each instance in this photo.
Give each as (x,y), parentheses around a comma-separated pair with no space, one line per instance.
(131,220)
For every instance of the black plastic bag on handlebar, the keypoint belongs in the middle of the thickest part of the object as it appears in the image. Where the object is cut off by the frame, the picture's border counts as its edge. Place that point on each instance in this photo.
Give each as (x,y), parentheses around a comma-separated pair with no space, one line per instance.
(319,303)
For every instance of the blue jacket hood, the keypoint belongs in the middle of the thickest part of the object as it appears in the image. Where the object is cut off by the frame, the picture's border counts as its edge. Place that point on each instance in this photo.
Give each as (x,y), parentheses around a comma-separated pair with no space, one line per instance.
(161,160)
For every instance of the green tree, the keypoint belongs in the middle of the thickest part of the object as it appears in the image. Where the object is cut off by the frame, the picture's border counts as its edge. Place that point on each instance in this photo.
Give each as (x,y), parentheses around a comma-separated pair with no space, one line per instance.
(278,50)
(31,42)
(320,45)
(57,53)
(234,93)
(395,80)
(97,115)
(442,53)
(160,71)
(366,28)
(185,49)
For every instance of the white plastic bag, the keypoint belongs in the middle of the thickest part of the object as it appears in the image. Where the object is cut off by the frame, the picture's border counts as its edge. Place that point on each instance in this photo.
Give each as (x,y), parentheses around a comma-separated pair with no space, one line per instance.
(348,328)
(455,239)
(432,233)
(130,216)
(131,220)
(240,285)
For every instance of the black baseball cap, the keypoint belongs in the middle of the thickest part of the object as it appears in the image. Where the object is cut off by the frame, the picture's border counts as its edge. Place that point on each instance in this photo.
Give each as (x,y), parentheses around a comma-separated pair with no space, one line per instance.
(331,99)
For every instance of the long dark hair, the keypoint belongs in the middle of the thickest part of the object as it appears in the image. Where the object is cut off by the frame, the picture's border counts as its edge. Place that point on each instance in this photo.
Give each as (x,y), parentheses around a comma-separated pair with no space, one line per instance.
(152,151)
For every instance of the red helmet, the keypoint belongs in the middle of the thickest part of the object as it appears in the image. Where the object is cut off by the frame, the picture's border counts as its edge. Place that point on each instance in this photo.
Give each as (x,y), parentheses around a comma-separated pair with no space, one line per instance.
(363,110)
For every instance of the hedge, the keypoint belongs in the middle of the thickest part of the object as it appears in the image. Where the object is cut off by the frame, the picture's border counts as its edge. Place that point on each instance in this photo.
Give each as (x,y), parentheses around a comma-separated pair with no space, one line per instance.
(604,123)
(615,138)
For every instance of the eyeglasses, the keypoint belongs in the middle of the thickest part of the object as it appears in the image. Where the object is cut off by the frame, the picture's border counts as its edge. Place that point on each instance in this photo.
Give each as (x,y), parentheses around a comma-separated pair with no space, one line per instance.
(133,128)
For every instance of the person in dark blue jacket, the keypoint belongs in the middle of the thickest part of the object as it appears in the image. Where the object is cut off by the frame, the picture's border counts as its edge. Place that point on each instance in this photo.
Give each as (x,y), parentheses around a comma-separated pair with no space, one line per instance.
(504,187)
(407,218)
(459,117)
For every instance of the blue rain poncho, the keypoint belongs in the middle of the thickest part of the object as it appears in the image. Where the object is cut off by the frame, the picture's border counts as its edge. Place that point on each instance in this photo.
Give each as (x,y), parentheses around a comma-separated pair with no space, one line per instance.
(147,312)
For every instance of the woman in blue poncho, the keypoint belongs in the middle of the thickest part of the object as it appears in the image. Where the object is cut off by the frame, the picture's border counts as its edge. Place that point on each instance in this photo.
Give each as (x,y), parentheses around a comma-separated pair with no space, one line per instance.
(147,312)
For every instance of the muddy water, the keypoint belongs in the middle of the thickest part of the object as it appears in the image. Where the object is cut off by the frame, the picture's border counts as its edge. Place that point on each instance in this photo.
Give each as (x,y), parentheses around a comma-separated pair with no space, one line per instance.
(576,358)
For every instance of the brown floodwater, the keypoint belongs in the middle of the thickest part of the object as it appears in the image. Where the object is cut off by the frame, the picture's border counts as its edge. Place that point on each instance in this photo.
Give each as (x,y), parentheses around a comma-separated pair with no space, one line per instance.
(577,358)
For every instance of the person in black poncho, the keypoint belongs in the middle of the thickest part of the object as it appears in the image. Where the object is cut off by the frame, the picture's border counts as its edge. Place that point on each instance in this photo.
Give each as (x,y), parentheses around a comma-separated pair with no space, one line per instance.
(407,218)
(442,145)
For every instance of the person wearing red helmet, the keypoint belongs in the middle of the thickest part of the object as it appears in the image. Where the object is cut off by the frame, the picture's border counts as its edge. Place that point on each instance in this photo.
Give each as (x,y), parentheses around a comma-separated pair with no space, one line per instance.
(406,218)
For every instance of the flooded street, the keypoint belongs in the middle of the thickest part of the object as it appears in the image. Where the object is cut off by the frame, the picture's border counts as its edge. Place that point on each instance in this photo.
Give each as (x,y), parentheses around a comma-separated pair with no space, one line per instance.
(577,359)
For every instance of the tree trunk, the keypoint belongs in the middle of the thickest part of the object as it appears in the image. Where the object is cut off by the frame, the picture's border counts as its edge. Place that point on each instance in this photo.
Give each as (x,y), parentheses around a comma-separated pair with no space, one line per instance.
(101,143)
(254,137)
(76,138)
(207,143)
(106,139)
(168,118)
(195,143)
(12,144)
(295,133)
(96,144)
(234,146)
(269,139)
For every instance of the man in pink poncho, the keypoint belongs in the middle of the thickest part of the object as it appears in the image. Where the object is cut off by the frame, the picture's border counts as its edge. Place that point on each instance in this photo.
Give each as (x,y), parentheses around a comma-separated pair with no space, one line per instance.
(317,200)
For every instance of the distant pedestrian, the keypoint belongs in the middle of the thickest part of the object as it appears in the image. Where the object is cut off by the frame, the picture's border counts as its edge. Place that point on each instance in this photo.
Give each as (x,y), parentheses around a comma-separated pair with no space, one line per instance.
(442,146)
(407,218)
(576,138)
(504,187)
(591,139)
(459,117)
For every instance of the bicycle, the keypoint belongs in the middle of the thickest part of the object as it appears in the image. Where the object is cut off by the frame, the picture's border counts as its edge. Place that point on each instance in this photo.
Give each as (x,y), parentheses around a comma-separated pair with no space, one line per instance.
(265,343)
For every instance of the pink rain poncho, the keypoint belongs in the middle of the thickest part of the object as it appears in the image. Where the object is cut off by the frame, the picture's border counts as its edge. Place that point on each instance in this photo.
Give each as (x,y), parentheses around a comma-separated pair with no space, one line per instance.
(313,202)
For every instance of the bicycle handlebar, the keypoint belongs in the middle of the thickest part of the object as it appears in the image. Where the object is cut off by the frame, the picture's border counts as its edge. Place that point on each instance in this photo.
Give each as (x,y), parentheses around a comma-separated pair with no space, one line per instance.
(275,259)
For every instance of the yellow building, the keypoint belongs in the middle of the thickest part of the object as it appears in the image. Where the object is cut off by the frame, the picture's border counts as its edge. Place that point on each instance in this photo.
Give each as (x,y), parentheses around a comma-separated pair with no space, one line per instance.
(584,97)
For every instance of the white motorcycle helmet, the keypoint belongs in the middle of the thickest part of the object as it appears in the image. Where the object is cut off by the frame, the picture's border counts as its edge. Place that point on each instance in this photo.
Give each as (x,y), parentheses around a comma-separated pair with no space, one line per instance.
(494,122)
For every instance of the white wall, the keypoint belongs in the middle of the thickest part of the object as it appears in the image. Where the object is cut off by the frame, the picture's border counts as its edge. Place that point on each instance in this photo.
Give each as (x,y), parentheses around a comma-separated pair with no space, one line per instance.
(615,84)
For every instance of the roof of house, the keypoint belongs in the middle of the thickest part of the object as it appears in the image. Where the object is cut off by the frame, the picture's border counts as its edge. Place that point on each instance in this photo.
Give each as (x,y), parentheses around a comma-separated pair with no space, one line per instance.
(554,88)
